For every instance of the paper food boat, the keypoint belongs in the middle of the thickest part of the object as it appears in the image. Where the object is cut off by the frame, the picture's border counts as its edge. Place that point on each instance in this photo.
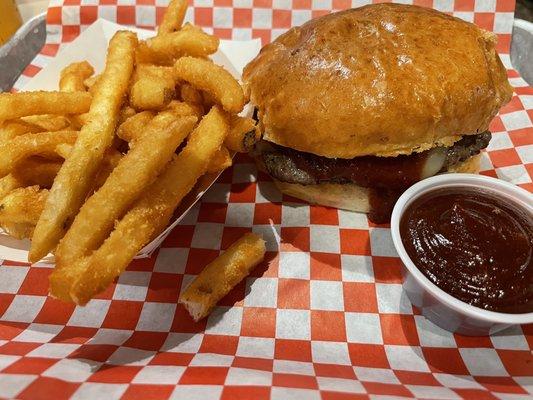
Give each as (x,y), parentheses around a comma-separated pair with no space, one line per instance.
(91,45)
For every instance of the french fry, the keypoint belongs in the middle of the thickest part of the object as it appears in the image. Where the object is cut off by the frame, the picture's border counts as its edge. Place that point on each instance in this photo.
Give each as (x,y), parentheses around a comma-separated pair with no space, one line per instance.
(149,70)
(75,177)
(48,123)
(187,26)
(134,127)
(220,161)
(190,95)
(23,205)
(129,179)
(192,42)
(79,120)
(206,75)
(105,201)
(208,99)
(222,275)
(173,17)
(164,49)
(18,231)
(152,93)
(9,183)
(153,87)
(183,109)
(21,104)
(147,218)
(125,113)
(144,56)
(63,150)
(72,77)
(37,171)
(242,135)
(111,160)
(11,129)
(91,83)
(32,171)
(31,144)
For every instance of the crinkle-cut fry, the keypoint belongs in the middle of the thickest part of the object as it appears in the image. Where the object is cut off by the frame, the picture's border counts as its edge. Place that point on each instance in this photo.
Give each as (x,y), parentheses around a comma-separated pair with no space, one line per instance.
(31,144)
(152,93)
(72,77)
(134,127)
(37,171)
(183,109)
(222,275)
(48,122)
(76,176)
(190,95)
(11,129)
(135,171)
(173,16)
(21,104)
(9,183)
(18,231)
(23,205)
(220,161)
(205,75)
(243,134)
(163,50)
(148,216)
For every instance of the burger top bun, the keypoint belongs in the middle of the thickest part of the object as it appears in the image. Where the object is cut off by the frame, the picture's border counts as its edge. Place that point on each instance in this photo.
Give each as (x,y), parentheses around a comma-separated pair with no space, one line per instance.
(382,80)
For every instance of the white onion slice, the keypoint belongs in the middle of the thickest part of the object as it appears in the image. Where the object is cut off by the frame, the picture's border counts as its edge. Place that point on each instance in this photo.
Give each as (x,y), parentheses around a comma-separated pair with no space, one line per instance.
(434,162)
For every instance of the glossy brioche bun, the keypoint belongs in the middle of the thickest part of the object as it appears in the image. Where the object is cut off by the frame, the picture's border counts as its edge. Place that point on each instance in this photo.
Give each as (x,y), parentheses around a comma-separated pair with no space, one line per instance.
(350,196)
(383,79)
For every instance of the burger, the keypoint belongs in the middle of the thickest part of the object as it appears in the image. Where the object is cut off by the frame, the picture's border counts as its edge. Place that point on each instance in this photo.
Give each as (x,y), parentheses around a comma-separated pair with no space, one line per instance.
(356,106)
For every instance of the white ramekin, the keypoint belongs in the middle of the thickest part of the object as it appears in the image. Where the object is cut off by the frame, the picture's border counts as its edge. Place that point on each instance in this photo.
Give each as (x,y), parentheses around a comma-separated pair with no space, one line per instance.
(436,305)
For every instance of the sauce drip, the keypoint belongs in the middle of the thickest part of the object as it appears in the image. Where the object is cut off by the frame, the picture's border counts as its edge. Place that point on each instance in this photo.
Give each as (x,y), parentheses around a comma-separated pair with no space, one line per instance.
(368,171)
(385,177)
(474,245)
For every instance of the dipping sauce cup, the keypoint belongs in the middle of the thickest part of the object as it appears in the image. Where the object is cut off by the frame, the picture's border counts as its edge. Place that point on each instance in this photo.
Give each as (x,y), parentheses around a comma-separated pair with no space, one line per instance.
(435,304)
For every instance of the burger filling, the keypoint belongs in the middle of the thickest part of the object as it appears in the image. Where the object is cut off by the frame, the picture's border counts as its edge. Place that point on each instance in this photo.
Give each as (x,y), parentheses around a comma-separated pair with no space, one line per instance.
(391,173)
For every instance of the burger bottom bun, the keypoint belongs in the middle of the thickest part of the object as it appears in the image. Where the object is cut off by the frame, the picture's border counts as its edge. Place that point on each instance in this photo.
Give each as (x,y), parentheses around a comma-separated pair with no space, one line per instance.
(349,196)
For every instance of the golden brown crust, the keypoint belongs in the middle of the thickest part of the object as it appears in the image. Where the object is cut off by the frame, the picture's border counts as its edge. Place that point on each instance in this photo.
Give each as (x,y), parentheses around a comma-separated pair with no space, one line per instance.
(382,79)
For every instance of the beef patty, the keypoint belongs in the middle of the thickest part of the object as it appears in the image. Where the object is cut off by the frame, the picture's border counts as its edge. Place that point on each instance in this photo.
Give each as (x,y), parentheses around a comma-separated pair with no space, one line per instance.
(292,166)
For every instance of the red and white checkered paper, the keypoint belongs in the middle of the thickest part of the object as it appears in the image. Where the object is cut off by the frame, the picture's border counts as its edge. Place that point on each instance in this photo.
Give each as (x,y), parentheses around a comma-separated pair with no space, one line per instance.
(323,317)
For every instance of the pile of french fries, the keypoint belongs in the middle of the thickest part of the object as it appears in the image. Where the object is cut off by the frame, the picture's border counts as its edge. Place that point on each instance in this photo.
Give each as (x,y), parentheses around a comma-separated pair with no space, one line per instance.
(94,171)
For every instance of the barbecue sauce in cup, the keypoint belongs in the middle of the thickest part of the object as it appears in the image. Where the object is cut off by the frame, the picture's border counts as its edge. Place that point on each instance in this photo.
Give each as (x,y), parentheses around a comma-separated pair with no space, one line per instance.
(474,245)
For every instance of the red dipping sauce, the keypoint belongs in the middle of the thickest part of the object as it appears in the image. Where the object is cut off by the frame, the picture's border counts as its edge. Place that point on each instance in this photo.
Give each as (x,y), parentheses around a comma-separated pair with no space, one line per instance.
(474,245)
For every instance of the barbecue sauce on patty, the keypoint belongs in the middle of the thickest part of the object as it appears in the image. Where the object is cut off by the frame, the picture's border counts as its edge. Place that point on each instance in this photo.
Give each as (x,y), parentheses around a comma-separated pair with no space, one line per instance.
(385,177)
(474,245)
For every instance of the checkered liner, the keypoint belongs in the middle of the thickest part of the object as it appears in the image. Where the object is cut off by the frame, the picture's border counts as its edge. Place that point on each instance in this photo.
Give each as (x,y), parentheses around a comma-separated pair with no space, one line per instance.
(323,317)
